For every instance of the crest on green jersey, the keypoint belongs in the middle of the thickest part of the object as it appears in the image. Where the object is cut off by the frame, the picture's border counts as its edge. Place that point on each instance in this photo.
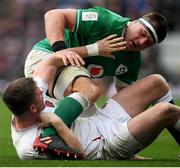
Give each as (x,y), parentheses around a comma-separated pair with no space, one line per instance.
(95,70)
(121,69)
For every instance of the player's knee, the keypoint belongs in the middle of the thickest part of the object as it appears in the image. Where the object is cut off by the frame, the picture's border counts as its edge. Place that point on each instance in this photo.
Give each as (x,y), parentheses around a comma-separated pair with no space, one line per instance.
(163,110)
(159,82)
(87,88)
(94,93)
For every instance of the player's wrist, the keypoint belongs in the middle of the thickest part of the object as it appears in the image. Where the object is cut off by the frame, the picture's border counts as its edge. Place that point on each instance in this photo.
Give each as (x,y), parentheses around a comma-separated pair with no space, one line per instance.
(53,119)
(58,45)
(92,49)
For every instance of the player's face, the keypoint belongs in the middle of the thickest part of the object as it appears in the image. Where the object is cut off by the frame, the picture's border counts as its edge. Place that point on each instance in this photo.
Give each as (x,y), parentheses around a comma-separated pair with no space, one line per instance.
(137,37)
(39,99)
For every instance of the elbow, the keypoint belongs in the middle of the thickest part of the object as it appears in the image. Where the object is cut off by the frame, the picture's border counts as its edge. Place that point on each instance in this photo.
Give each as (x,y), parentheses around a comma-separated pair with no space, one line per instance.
(52,13)
(49,14)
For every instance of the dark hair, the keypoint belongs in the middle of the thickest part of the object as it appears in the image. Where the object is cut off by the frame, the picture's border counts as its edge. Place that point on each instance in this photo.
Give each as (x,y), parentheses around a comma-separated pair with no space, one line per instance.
(19,95)
(159,23)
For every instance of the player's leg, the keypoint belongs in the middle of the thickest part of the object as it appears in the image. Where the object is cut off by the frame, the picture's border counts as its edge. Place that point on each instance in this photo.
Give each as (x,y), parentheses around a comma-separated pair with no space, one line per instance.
(77,81)
(86,87)
(141,94)
(74,79)
(125,139)
(146,126)
(138,96)
(71,79)
(33,58)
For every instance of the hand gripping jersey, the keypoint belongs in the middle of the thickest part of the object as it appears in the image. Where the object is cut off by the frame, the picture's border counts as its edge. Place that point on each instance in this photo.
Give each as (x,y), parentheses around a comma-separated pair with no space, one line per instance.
(95,24)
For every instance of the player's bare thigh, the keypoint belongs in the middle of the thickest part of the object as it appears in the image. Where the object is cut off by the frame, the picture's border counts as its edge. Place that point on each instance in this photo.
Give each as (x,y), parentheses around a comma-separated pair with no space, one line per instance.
(79,82)
(138,96)
(86,87)
(32,60)
(146,126)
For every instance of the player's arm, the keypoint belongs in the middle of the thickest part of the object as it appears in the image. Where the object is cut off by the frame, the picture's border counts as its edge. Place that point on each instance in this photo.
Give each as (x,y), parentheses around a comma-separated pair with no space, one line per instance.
(104,47)
(56,21)
(61,129)
(46,71)
(47,68)
(59,19)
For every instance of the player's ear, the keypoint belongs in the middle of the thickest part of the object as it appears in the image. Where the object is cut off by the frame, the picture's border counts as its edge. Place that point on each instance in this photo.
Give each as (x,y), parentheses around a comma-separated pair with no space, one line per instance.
(33,108)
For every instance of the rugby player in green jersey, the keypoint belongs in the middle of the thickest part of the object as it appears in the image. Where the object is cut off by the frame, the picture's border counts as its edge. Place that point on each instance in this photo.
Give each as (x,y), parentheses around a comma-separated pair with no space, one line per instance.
(86,26)
(110,45)
(79,30)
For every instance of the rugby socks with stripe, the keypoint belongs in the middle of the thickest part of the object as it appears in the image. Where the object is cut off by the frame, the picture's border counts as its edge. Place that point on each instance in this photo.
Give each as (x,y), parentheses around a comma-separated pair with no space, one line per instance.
(68,109)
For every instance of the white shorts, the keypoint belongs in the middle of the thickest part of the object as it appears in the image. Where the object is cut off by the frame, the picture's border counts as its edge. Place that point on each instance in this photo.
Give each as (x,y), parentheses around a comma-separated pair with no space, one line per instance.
(65,77)
(106,134)
(33,58)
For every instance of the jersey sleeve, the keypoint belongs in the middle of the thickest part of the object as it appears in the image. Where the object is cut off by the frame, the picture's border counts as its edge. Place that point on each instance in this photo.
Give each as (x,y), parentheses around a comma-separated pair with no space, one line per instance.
(98,21)
(42,84)
(23,140)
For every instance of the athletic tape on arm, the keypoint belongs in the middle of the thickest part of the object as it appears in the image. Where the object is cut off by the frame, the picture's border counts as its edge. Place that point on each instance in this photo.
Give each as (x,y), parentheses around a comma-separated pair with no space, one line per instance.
(92,49)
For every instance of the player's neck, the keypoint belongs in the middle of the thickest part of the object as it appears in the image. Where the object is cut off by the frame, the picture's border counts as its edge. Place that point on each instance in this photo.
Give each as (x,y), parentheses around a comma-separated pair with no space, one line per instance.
(25,121)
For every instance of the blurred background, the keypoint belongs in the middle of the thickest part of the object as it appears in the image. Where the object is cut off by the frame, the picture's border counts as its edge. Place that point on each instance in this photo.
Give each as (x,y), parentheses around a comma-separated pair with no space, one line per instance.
(22,25)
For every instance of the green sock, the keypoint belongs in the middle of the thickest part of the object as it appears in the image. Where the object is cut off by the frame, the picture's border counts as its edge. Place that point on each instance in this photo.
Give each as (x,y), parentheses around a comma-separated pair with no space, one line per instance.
(68,110)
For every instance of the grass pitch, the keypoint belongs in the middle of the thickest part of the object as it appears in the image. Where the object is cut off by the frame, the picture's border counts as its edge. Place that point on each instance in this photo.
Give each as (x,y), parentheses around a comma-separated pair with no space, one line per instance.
(163,151)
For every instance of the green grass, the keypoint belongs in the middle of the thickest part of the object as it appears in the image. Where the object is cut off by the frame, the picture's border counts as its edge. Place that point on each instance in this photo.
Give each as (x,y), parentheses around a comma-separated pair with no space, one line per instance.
(164,152)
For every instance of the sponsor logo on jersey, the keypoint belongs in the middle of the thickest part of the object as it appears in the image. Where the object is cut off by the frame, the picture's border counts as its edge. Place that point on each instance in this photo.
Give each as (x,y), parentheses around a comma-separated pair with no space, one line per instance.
(95,70)
(121,69)
(89,16)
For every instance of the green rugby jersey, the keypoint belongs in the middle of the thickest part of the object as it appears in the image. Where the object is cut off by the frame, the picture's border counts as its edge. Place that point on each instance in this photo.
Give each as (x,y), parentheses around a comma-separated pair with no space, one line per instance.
(94,24)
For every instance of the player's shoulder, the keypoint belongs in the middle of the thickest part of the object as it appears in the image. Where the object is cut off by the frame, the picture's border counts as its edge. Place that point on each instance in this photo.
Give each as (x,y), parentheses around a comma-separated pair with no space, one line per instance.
(94,9)
(23,140)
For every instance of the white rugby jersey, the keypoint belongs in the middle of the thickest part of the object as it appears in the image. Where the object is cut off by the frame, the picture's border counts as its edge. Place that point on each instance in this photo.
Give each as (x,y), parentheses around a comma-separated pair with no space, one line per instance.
(23,138)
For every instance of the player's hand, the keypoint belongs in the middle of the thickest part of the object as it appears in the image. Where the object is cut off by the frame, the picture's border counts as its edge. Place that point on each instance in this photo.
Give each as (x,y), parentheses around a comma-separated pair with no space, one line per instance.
(70,57)
(111,44)
(47,119)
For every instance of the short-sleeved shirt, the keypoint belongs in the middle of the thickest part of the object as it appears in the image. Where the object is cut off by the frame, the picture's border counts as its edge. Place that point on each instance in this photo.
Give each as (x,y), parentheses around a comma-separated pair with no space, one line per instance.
(94,24)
